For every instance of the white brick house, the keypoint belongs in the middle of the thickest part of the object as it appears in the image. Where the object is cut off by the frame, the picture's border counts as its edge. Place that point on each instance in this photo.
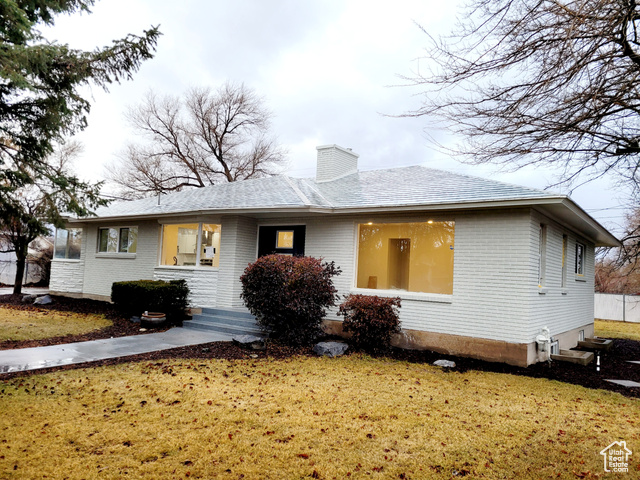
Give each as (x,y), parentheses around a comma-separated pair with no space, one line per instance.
(481,266)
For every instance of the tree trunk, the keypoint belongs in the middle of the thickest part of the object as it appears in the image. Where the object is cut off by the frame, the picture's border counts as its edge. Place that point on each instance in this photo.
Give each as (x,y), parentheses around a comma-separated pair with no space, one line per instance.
(21,261)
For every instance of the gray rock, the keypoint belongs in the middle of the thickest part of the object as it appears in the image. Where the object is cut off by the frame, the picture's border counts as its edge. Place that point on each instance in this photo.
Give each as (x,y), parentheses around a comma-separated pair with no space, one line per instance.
(330,349)
(44,300)
(28,298)
(445,363)
(135,319)
(250,341)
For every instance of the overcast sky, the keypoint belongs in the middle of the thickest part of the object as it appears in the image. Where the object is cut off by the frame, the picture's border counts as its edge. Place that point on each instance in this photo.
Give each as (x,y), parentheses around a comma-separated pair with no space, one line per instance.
(328,70)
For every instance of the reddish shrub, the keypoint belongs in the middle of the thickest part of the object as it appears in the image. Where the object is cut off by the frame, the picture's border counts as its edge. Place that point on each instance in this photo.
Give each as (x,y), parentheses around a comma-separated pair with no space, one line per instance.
(289,295)
(372,320)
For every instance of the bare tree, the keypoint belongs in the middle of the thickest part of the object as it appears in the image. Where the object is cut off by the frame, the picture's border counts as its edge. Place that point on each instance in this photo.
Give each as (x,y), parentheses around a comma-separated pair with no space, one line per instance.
(205,137)
(541,82)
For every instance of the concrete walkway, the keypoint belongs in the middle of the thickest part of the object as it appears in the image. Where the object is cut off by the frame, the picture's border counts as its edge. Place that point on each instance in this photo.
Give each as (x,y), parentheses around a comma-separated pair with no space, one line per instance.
(25,290)
(23,359)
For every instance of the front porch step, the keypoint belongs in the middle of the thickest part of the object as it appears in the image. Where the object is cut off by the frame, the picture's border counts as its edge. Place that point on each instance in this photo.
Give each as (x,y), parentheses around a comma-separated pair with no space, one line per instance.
(234,322)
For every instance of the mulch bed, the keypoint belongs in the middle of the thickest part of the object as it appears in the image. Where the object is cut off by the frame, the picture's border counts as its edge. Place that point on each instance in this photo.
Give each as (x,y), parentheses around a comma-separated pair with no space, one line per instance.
(121,327)
(613,364)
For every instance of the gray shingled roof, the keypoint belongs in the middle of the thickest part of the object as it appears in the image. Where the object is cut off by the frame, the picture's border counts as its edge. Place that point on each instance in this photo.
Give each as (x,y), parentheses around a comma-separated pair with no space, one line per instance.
(407,186)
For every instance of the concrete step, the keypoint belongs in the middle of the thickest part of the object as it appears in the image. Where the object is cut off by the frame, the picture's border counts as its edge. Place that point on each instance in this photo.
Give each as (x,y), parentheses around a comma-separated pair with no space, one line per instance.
(228,312)
(230,328)
(234,322)
(210,318)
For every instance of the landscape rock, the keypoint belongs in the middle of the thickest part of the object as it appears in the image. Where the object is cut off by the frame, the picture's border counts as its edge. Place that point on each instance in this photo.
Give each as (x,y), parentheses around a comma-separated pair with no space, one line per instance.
(250,341)
(330,349)
(445,363)
(44,300)
(28,298)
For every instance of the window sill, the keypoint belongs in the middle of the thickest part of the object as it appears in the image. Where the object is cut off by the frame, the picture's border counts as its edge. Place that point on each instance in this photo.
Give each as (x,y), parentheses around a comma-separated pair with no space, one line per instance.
(413,296)
(189,268)
(564,291)
(580,279)
(543,290)
(119,256)
(66,260)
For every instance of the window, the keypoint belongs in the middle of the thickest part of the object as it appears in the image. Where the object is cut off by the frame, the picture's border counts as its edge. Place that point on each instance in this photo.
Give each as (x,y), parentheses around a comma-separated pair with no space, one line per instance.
(68,243)
(118,240)
(580,253)
(191,245)
(563,281)
(412,257)
(542,255)
(284,239)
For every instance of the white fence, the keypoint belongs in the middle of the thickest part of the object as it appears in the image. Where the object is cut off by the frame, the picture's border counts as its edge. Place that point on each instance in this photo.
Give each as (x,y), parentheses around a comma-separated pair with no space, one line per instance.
(624,308)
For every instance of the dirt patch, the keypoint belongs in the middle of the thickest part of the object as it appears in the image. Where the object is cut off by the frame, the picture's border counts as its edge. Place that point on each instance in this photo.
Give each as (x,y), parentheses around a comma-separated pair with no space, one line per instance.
(613,364)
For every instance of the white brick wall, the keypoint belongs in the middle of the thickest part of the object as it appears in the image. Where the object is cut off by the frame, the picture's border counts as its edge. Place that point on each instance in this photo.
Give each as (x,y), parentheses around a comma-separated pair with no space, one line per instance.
(485,292)
(101,270)
(495,275)
(202,282)
(67,276)
(238,243)
(495,289)
(561,309)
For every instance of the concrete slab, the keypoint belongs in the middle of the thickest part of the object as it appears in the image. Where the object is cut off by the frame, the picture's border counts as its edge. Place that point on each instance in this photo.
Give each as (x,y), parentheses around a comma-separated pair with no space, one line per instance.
(25,290)
(624,383)
(81,352)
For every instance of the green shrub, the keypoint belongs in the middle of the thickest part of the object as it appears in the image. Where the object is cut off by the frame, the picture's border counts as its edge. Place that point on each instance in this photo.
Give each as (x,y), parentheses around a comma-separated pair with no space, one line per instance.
(372,320)
(136,297)
(289,295)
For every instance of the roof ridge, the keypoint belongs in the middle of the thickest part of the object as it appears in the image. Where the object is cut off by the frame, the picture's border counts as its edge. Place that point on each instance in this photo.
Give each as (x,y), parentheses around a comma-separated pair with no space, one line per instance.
(312,185)
(297,191)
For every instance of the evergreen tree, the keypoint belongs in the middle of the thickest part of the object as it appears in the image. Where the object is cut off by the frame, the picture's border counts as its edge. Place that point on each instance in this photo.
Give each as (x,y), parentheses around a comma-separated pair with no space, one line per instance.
(40,102)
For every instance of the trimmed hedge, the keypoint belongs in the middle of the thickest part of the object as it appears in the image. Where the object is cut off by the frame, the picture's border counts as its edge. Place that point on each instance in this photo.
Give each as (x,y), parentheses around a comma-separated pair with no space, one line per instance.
(289,295)
(372,320)
(136,297)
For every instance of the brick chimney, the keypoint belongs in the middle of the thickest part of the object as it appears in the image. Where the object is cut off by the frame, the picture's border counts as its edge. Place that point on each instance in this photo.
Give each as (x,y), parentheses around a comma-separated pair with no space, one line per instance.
(335,162)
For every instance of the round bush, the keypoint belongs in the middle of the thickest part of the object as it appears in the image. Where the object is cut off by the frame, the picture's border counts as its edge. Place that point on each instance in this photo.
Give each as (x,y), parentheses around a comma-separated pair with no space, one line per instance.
(289,295)
(372,320)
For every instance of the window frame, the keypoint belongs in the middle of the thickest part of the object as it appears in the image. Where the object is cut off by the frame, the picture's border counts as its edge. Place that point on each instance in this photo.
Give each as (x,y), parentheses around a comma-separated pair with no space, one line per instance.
(565,251)
(542,255)
(582,256)
(199,257)
(118,241)
(66,249)
(284,247)
(430,297)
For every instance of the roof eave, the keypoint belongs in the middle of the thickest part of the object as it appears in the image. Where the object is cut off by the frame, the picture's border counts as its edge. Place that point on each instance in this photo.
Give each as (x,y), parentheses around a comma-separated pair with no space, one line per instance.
(560,206)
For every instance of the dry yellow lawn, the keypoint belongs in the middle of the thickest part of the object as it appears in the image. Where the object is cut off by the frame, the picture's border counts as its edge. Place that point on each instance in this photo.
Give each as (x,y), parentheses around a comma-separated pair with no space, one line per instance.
(18,324)
(612,329)
(351,417)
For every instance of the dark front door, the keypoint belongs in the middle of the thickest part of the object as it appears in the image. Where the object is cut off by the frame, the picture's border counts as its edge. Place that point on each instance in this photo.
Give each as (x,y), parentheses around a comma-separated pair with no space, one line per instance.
(286,240)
